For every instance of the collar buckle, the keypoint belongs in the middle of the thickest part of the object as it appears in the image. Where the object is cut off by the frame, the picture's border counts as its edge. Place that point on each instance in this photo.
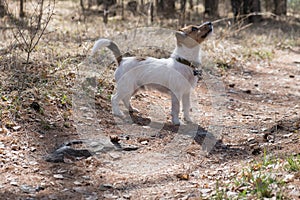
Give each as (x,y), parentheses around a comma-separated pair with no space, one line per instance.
(197,72)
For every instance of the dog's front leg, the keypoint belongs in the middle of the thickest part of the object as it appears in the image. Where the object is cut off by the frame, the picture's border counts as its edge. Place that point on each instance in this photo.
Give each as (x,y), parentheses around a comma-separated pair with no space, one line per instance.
(115,105)
(186,104)
(175,110)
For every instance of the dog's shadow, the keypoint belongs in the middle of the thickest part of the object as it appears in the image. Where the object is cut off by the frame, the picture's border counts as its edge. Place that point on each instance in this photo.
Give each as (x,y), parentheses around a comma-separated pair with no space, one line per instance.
(137,118)
(193,130)
(209,139)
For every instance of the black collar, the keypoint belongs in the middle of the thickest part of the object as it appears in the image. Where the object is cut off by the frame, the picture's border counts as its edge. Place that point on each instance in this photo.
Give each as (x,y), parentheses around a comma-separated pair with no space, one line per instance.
(196,71)
(186,62)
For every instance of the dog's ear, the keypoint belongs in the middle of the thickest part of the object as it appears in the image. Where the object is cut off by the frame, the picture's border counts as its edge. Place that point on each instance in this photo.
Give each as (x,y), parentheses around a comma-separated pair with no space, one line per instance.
(180,36)
(184,39)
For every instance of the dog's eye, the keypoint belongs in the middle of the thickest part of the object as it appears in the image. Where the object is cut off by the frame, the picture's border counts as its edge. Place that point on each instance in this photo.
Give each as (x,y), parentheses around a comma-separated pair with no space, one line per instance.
(194,28)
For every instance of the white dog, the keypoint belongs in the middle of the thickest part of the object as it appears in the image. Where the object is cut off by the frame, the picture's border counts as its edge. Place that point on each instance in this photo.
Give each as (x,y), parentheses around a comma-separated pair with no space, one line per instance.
(176,75)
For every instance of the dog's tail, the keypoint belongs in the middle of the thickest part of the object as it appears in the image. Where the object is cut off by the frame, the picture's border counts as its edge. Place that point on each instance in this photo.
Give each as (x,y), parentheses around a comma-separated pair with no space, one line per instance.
(110,45)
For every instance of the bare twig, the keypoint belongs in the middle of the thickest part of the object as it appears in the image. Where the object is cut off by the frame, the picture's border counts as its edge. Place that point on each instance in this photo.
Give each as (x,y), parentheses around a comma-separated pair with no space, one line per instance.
(30,30)
(244,16)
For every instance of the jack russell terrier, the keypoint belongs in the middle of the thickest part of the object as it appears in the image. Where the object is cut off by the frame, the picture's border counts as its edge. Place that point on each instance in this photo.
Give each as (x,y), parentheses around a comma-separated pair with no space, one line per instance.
(175,75)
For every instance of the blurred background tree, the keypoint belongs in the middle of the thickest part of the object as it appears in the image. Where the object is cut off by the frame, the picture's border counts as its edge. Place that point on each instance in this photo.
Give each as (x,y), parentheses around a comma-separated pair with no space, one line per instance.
(183,10)
(241,9)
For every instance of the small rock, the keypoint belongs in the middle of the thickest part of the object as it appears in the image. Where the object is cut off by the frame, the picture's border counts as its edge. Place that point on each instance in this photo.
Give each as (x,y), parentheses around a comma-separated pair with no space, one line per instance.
(14,183)
(77,183)
(110,196)
(114,155)
(92,196)
(129,148)
(145,142)
(86,177)
(288,135)
(28,189)
(232,194)
(33,163)
(14,147)
(205,191)
(58,176)
(16,128)
(295,193)
(251,140)
(81,190)
(104,187)
(126,196)
(288,178)
(32,149)
(181,191)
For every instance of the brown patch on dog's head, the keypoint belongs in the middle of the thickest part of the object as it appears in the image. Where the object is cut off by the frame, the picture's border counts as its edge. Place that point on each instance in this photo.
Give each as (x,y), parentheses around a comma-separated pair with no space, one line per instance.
(193,35)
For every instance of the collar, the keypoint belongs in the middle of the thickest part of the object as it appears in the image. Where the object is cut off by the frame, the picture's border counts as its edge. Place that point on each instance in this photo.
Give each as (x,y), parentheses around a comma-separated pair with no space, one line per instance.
(196,71)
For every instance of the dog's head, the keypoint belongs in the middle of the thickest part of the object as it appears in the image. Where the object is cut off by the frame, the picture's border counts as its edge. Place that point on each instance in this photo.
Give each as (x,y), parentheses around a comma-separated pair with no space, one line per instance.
(193,35)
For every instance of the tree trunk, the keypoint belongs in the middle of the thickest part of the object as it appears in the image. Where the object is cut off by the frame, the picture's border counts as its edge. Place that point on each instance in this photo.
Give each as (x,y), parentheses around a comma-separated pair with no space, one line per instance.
(169,8)
(159,6)
(40,14)
(241,9)
(3,11)
(166,8)
(269,5)
(182,12)
(191,4)
(150,13)
(106,11)
(254,7)
(182,5)
(22,14)
(211,8)
(141,6)
(280,7)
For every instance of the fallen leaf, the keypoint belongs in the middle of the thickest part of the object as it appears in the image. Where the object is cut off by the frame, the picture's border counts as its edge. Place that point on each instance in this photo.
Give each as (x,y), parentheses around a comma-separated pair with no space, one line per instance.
(183,176)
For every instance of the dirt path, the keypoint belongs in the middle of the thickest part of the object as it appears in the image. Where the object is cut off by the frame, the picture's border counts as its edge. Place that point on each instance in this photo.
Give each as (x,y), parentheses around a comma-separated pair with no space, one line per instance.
(257,99)
(259,111)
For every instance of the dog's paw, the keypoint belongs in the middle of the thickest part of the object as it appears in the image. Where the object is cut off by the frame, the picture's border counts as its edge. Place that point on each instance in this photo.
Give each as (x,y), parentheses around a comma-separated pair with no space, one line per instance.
(176,121)
(188,120)
(118,114)
(134,110)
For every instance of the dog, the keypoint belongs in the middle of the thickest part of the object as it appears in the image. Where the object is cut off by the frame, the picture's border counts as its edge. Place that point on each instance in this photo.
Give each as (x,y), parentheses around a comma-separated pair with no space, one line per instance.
(175,75)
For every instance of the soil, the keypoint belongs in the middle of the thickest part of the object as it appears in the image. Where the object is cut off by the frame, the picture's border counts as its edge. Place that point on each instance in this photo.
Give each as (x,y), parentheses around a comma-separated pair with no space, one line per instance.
(241,114)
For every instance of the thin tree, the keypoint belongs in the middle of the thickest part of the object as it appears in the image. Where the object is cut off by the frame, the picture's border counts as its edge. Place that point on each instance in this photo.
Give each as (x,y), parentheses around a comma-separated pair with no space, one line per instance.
(211,8)
(280,7)
(22,13)
(31,28)
(3,11)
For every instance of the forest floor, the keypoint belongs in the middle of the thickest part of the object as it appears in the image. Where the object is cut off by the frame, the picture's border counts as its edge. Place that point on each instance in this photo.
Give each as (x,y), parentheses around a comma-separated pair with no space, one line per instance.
(243,144)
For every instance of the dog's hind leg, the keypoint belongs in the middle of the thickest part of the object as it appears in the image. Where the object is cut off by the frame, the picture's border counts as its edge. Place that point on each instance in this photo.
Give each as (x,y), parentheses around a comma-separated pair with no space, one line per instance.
(126,101)
(175,109)
(186,104)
